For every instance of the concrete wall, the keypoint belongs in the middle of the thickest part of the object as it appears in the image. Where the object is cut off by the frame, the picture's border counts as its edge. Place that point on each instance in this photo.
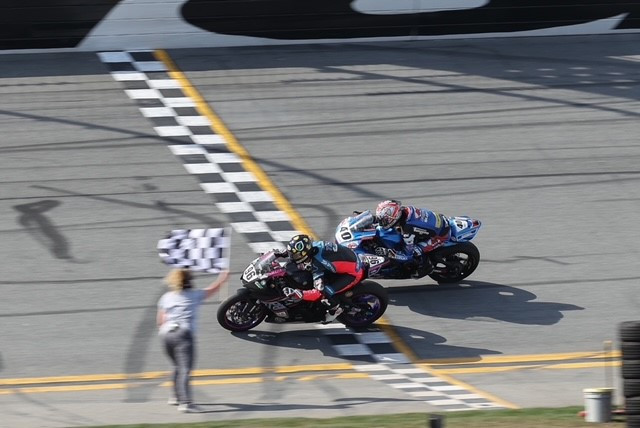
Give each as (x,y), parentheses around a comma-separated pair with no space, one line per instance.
(146,24)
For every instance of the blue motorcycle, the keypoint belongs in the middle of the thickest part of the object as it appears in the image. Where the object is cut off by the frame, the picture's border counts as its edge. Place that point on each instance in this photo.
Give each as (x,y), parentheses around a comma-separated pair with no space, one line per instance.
(390,257)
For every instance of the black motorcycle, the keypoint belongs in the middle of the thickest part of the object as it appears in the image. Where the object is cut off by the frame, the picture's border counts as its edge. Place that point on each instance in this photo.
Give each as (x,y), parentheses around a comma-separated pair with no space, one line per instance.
(264,298)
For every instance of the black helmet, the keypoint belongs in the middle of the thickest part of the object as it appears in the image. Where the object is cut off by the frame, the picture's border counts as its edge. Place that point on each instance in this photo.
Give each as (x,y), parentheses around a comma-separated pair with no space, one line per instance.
(300,248)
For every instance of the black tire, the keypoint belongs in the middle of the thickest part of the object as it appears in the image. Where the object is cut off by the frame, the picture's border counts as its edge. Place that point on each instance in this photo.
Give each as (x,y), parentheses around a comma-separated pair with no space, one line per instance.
(630,369)
(455,263)
(632,406)
(241,312)
(629,331)
(368,302)
(633,421)
(630,350)
(631,388)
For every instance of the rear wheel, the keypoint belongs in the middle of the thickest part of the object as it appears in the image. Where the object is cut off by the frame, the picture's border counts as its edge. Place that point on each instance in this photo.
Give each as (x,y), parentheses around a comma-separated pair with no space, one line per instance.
(368,302)
(454,263)
(630,369)
(241,312)
(629,331)
(630,350)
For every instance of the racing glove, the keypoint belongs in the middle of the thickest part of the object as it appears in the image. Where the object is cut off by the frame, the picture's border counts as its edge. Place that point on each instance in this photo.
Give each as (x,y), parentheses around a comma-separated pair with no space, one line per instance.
(292,293)
(280,253)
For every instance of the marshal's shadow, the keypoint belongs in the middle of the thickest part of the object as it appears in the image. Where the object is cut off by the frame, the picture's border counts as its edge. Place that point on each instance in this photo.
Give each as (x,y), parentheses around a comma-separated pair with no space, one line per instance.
(480,301)
(337,404)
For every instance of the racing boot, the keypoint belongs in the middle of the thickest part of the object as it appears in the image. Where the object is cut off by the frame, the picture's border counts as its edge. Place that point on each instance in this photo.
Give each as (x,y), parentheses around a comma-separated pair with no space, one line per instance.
(333,312)
(423,262)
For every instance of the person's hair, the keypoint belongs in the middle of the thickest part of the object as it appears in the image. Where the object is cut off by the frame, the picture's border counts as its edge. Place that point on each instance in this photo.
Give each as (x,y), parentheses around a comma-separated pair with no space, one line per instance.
(178,279)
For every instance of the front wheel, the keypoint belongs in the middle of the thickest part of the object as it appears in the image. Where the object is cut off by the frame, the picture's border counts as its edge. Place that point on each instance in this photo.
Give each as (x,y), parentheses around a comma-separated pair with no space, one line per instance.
(241,312)
(455,263)
(367,302)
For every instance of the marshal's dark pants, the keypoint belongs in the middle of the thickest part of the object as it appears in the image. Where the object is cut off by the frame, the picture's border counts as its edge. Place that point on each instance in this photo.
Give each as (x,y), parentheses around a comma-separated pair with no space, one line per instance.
(180,348)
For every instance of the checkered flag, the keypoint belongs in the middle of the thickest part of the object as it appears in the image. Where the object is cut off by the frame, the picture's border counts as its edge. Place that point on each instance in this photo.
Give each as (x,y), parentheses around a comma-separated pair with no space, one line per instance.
(197,249)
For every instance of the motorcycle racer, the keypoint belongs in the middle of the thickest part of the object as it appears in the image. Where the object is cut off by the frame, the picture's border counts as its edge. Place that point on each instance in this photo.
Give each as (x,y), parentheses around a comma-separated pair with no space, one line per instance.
(333,267)
(423,230)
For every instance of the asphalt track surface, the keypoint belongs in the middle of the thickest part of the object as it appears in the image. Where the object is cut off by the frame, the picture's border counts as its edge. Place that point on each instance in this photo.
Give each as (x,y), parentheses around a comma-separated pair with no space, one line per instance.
(538,138)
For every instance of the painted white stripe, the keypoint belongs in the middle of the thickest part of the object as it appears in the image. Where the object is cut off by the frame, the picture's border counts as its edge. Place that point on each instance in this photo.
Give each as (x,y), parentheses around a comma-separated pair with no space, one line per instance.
(255,196)
(406,385)
(373,337)
(427,379)
(219,187)
(172,131)
(193,121)
(282,235)
(208,139)
(425,393)
(392,358)
(388,377)
(408,371)
(122,76)
(164,84)
(187,149)
(149,66)
(157,111)
(465,396)
(202,168)
(235,207)
(250,227)
(239,177)
(446,402)
(223,157)
(272,216)
(179,102)
(140,94)
(352,349)
(370,368)
(446,388)
(115,57)
(331,329)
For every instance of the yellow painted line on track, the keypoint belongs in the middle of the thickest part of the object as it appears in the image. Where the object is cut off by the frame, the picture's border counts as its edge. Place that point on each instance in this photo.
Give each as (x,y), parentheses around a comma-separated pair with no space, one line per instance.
(307,373)
(237,381)
(495,359)
(279,369)
(80,378)
(160,374)
(501,369)
(65,388)
(230,381)
(221,129)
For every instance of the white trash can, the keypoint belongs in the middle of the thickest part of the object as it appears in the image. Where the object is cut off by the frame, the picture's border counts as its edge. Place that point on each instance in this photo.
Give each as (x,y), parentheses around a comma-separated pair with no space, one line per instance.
(597,404)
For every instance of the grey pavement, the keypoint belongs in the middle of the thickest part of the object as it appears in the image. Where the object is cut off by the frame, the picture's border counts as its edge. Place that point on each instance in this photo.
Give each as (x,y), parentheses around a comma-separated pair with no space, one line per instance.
(536,137)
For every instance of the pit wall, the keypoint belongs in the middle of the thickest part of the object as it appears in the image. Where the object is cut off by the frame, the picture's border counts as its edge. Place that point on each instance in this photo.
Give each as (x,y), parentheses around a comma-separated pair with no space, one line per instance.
(91,25)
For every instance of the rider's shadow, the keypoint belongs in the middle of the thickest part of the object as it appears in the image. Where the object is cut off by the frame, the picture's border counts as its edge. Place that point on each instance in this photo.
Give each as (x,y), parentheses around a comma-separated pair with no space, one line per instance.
(481,301)
(332,345)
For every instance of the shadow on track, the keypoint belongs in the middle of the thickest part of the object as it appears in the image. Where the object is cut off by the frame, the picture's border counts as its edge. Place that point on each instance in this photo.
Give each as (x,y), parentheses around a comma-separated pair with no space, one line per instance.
(480,301)
(313,339)
(340,404)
